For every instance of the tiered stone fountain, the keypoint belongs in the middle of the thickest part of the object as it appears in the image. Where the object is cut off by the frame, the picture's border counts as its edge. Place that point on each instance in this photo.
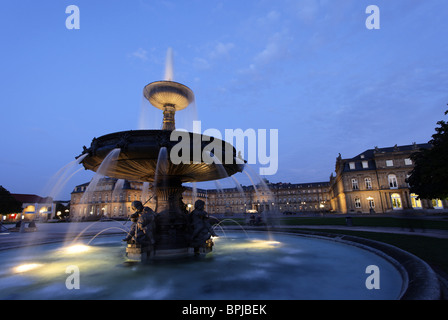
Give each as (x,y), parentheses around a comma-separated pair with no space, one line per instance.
(145,155)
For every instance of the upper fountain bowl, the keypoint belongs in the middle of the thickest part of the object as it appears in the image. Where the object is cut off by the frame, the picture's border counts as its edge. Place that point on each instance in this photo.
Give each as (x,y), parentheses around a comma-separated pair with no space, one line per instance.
(140,157)
(168,93)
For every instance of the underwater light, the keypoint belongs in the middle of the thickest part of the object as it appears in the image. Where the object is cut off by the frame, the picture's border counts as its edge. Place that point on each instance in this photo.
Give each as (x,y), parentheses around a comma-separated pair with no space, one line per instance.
(264,243)
(77,248)
(26,267)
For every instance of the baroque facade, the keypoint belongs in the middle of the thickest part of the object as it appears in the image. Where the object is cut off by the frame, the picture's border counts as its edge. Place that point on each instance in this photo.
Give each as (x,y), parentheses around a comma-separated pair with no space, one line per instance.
(372,182)
(112,198)
(375,182)
(270,197)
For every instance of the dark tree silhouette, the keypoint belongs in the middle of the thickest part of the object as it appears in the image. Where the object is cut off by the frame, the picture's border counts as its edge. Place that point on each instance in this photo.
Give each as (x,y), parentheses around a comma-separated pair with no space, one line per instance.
(429,178)
(8,204)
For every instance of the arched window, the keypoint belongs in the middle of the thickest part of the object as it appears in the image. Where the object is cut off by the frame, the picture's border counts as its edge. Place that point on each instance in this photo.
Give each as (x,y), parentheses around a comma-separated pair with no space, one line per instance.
(396,201)
(355,184)
(416,203)
(393,184)
(357,202)
(368,183)
(437,204)
(371,202)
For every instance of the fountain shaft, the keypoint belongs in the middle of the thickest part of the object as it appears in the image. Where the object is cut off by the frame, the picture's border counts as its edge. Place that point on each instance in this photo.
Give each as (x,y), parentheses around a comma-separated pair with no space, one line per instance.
(168,118)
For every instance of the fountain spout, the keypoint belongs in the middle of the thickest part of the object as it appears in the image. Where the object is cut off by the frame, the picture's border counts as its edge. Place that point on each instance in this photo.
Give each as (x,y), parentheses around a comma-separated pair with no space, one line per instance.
(170,97)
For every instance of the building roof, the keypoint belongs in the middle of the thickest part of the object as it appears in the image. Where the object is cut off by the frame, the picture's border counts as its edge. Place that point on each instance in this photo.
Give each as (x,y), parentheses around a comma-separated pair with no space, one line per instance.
(370,155)
(31,198)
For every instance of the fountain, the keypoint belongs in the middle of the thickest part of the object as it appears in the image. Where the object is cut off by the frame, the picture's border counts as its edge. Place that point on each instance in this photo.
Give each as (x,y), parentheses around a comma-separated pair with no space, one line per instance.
(145,156)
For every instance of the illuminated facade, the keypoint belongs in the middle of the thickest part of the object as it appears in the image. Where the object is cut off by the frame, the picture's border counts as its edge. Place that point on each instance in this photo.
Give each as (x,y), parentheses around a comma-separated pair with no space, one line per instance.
(375,182)
(372,182)
(271,197)
(33,208)
(112,198)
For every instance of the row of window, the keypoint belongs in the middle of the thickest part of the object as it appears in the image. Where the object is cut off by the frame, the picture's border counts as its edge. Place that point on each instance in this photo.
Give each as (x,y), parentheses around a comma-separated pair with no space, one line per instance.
(284,200)
(97,211)
(286,207)
(391,178)
(230,195)
(396,202)
(117,198)
(389,163)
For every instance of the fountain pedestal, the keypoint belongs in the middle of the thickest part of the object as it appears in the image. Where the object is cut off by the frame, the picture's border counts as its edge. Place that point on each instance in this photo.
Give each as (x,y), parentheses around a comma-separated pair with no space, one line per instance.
(172,233)
(137,252)
(173,228)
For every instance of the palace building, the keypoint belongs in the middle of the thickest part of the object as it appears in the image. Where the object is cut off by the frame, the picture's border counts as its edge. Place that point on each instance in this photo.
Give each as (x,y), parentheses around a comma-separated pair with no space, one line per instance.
(270,197)
(375,182)
(372,182)
(112,198)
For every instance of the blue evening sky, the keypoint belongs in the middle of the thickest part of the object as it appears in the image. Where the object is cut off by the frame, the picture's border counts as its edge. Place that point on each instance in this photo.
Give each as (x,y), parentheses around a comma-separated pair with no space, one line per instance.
(309,68)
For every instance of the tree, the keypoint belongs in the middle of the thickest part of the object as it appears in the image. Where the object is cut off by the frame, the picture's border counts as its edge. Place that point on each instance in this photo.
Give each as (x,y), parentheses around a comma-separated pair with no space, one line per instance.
(8,204)
(61,208)
(429,178)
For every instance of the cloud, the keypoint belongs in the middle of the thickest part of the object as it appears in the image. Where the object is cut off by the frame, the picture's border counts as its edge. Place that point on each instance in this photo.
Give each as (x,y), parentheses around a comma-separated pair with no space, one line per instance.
(140,53)
(276,49)
(213,52)
(201,63)
(221,49)
(271,18)
(273,50)
(307,10)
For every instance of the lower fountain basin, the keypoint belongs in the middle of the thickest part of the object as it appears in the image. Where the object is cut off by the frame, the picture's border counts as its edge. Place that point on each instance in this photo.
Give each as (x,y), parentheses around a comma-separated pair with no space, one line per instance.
(242,266)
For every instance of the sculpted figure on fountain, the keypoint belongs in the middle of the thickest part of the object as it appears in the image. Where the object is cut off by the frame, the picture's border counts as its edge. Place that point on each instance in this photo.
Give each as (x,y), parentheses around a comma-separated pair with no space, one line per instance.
(143,226)
(201,228)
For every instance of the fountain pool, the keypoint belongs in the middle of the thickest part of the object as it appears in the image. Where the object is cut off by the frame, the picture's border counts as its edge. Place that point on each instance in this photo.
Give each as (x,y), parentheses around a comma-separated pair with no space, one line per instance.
(242,266)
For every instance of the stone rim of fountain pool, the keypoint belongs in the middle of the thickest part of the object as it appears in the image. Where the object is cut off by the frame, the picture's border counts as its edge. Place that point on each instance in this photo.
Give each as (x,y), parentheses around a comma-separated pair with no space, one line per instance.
(419,281)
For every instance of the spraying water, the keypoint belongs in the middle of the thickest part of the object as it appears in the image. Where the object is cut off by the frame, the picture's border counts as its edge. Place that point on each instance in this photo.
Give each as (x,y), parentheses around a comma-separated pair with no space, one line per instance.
(169,72)
(60,179)
(161,169)
(117,189)
(145,192)
(111,158)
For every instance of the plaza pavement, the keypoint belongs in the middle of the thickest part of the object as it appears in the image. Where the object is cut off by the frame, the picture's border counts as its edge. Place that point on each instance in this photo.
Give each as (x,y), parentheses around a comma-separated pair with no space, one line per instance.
(59,232)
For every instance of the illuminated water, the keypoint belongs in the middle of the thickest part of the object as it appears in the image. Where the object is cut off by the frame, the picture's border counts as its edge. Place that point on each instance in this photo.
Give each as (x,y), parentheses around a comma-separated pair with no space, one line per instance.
(240,267)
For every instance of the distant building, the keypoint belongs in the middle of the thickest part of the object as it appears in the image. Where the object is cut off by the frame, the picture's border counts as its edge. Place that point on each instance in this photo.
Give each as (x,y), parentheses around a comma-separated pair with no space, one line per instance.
(112,198)
(34,208)
(372,182)
(270,197)
(375,182)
